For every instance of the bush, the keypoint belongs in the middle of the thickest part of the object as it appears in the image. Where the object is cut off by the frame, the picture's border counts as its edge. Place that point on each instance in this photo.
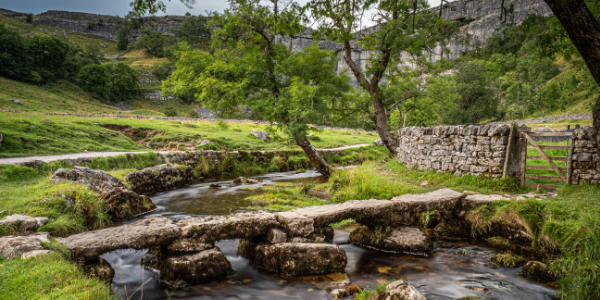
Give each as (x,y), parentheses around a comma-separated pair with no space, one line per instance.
(95,79)
(194,114)
(124,82)
(123,38)
(170,111)
(163,70)
(152,42)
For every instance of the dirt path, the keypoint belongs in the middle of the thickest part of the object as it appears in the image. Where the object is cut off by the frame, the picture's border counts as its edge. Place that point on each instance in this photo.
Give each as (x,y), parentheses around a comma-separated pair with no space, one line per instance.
(51,158)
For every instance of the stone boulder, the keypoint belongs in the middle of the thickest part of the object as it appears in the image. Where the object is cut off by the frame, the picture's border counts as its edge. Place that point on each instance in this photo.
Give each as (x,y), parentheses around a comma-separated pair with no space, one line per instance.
(538,270)
(143,234)
(1,138)
(159,178)
(24,223)
(403,239)
(121,202)
(196,267)
(399,290)
(35,253)
(295,258)
(101,270)
(260,134)
(378,142)
(187,245)
(241,180)
(17,246)
(17,102)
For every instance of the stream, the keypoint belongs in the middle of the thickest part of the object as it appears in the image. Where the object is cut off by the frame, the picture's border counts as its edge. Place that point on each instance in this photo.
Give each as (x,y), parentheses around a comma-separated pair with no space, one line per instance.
(444,274)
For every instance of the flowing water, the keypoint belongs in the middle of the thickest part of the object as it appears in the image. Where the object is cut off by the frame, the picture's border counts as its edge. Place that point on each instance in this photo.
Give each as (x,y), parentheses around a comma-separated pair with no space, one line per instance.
(444,274)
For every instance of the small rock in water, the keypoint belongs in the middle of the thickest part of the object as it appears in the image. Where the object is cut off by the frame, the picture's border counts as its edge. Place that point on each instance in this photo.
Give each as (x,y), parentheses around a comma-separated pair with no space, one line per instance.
(338,293)
(15,101)
(425,183)
(215,186)
(240,180)
(354,288)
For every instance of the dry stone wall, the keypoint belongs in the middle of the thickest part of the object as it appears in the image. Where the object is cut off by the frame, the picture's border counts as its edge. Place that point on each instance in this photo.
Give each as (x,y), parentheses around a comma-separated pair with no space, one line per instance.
(586,167)
(476,150)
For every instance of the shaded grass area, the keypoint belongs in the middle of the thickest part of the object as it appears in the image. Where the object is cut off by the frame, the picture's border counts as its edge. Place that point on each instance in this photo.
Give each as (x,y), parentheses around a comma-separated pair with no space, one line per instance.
(34,134)
(49,276)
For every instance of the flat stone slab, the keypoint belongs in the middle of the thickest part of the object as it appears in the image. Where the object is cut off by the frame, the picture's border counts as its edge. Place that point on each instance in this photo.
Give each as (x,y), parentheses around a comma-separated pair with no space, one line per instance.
(24,223)
(435,200)
(207,230)
(403,239)
(139,235)
(17,246)
(295,258)
(324,215)
(472,201)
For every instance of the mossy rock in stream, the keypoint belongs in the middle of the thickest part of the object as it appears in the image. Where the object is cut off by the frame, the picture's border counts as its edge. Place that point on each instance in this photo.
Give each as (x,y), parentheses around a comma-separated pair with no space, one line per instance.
(508,260)
(538,270)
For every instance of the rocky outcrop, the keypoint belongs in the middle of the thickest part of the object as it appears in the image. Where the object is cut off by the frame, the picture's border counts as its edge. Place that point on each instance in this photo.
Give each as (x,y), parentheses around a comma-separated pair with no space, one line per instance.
(295,258)
(159,178)
(403,239)
(119,201)
(23,223)
(196,267)
(399,290)
(260,134)
(143,234)
(20,246)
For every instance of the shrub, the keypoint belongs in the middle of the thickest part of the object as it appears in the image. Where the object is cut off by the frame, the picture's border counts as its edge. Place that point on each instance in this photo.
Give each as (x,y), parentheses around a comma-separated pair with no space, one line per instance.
(194,114)
(170,111)
(124,82)
(95,79)
(123,38)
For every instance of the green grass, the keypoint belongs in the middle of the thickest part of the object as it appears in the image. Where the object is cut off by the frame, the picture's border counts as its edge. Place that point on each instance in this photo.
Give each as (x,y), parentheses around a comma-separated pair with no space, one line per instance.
(34,134)
(22,188)
(48,277)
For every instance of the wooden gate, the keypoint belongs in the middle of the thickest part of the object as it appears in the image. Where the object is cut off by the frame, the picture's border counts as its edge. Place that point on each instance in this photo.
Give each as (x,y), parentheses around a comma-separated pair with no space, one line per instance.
(527,142)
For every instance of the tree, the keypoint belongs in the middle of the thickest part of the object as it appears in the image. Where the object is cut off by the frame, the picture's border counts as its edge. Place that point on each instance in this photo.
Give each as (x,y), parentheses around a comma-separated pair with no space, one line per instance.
(406,29)
(29,18)
(124,81)
(248,66)
(122,38)
(15,61)
(153,43)
(193,27)
(95,79)
(476,100)
(552,95)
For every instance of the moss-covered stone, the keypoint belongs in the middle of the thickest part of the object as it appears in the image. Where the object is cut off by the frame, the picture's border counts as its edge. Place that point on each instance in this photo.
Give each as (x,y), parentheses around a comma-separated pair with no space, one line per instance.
(508,260)
(538,270)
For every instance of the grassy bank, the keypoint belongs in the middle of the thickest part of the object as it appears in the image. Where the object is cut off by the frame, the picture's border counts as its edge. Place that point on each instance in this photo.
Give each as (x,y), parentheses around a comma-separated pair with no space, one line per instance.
(35,134)
(565,228)
(49,277)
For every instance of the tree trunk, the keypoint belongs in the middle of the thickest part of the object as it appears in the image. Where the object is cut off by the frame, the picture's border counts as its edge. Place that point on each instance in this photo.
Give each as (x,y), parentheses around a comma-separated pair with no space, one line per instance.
(596,118)
(584,31)
(312,154)
(388,139)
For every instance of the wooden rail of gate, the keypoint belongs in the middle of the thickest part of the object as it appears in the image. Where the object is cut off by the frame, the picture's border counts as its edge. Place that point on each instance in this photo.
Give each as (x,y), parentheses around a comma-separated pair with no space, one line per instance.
(529,143)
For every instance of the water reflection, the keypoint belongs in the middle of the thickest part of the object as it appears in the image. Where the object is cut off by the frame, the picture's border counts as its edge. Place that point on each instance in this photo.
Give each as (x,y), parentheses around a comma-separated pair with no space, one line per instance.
(442,275)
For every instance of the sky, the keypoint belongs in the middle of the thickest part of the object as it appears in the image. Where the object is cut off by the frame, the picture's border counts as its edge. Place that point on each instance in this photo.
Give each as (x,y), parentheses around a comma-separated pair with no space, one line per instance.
(119,7)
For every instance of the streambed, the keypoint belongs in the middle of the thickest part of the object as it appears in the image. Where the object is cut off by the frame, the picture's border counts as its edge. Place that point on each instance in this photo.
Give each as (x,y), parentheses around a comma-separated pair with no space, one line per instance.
(444,274)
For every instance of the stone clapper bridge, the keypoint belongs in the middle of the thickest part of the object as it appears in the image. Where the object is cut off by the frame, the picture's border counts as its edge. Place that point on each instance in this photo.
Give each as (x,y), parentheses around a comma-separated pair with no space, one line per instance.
(293,242)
